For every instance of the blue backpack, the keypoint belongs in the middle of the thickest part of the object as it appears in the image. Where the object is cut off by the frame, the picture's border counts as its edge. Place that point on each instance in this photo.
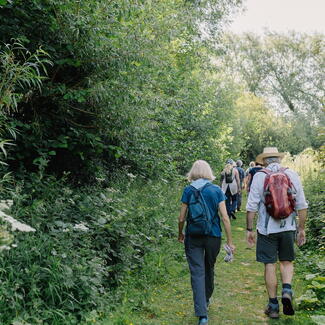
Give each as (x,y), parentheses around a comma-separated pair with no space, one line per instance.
(199,219)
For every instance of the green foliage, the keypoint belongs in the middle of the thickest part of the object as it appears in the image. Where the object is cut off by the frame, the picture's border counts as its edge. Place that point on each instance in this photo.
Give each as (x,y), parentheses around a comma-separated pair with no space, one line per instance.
(21,76)
(125,88)
(255,126)
(87,243)
(21,73)
(309,167)
(318,319)
(316,222)
(314,296)
(134,93)
(287,67)
(311,260)
(5,238)
(287,72)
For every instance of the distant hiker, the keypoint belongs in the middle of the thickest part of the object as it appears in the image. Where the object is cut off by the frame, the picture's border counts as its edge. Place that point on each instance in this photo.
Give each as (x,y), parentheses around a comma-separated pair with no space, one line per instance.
(252,172)
(281,190)
(241,173)
(202,202)
(251,165)
(230,184)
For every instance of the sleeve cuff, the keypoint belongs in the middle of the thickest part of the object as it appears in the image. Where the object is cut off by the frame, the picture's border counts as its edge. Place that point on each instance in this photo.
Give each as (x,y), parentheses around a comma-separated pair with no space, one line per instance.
(302,206)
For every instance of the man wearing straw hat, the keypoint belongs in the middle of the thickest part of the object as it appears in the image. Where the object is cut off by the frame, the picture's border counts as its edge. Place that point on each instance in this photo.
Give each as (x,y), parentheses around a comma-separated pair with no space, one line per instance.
(275,237)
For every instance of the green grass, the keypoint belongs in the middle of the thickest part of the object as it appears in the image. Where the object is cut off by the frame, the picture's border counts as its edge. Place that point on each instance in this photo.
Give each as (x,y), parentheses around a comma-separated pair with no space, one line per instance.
(239,297)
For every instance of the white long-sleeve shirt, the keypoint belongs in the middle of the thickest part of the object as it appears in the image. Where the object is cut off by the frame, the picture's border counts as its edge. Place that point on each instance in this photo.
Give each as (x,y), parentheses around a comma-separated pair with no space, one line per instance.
(256,198)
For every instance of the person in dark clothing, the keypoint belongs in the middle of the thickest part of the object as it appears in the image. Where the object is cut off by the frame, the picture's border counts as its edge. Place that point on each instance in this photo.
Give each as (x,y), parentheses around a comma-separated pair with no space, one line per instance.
(251,165)
(241,173)
(252,172)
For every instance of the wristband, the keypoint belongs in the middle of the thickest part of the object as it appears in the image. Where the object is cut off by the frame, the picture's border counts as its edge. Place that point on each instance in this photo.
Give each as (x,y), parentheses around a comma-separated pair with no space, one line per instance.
(249,229)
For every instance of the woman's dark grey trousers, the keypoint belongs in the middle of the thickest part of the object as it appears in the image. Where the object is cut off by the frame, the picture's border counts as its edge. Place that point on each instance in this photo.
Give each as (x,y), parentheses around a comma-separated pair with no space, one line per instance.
(201,253)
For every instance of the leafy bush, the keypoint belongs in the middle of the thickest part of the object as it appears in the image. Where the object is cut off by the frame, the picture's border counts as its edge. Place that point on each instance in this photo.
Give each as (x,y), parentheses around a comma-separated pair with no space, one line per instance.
(314,296)
(312,255)
(316,220)
(86,242)
(307,165)
(124,88)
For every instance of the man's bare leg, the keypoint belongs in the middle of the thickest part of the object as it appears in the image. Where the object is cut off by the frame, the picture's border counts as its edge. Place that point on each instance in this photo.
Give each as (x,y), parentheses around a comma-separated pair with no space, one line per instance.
(270,279)
(286,269)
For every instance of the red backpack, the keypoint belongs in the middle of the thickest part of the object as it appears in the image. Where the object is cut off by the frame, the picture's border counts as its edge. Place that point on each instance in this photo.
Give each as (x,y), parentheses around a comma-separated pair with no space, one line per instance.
(278,194)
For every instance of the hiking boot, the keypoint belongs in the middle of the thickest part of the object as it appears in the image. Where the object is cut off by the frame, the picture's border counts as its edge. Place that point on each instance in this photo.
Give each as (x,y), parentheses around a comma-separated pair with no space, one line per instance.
(272,310)
(203,321)
(287,302)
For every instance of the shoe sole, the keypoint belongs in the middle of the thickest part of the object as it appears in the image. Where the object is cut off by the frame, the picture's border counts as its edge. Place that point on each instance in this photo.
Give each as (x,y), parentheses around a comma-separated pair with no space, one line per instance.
(287,305)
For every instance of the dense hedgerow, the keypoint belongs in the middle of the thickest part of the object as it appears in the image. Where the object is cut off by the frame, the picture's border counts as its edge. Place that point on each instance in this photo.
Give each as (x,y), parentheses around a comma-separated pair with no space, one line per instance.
(86,242)
(131,83)
(311,257)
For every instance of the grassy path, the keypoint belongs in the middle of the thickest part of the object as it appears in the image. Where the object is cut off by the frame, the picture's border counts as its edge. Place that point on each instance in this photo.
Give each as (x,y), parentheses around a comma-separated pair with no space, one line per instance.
(239,296)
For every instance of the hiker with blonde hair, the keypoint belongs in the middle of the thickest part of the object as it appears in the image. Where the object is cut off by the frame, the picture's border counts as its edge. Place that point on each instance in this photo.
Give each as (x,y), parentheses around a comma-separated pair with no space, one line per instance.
(202,202)
(230,184)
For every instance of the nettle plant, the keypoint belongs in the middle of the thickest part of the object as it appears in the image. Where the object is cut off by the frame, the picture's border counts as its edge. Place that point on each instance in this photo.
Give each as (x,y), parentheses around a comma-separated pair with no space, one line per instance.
(314,297)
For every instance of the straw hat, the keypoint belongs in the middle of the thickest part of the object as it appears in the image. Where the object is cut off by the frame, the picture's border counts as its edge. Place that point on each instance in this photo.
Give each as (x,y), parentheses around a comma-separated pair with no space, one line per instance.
(269,152)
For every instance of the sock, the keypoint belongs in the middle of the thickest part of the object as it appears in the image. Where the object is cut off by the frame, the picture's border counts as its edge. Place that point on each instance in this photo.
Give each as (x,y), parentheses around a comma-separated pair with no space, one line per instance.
(273,300)
(286,286)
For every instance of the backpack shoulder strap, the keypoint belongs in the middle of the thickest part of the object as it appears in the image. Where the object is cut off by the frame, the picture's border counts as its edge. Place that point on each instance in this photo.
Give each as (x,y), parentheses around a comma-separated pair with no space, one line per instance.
(199,191)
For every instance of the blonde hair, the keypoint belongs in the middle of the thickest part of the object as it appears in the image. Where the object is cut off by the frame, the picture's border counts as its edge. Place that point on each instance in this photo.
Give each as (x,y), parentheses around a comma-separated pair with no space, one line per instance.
(228,168)
(200,169)
(252,164)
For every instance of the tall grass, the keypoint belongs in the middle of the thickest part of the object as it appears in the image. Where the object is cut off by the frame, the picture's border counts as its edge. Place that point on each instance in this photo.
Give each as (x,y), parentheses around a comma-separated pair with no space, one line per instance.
(311,258)
(306,164)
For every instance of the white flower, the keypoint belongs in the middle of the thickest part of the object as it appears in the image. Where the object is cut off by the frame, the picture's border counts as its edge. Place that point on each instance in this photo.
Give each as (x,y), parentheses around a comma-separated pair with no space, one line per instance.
(15,224)
(81,226)
(110,189)
(5,204)
(4,247)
